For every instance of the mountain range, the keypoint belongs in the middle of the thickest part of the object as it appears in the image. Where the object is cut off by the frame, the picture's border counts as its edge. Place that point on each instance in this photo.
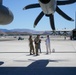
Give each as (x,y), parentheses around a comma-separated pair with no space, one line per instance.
(29,31)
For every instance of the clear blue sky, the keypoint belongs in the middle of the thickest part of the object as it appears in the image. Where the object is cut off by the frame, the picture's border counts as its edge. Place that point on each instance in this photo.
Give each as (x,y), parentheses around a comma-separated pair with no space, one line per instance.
(25,18)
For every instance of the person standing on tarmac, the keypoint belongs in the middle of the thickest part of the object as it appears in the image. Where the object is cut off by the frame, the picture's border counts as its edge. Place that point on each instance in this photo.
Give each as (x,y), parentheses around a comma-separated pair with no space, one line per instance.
(47,41)
(31,45)
(37,43)
(39,46)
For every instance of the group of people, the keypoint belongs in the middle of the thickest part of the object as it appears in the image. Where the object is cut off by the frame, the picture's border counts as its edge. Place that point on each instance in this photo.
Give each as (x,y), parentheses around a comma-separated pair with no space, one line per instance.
(37,42)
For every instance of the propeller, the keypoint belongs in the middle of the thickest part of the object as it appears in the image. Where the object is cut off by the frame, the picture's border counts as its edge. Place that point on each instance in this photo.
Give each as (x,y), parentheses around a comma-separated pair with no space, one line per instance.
(32,6)
(63,14)
(51,17)
(38,18)
(65,2)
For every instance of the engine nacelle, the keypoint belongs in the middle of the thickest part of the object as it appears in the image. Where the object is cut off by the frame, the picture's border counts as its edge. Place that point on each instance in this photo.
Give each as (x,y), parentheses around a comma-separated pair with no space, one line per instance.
(48,6)
(6,16)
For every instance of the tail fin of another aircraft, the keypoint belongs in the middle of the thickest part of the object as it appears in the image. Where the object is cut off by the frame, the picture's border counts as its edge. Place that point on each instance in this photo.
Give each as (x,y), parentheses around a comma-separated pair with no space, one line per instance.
(1,1)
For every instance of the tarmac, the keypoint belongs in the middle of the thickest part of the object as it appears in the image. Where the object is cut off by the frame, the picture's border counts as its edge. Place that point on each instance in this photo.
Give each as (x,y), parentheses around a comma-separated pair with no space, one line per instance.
(16,60)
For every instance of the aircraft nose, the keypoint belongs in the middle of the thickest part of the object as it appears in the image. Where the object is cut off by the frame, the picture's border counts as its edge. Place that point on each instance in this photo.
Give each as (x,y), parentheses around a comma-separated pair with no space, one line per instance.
(45,1)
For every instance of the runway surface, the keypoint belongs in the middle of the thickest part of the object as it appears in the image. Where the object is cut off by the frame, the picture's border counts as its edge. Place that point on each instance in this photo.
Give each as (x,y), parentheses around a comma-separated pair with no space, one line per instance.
(15,58)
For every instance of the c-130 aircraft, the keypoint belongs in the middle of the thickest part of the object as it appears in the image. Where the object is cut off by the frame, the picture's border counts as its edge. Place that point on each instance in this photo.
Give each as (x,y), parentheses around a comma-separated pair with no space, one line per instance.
(6,16)
(48,9)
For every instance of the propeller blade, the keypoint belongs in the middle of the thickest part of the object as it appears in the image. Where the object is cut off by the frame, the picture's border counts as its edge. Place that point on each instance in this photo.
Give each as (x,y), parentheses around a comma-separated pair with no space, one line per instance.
(63,14)
(65,2)
(51,17)
(38,18)
(32,6)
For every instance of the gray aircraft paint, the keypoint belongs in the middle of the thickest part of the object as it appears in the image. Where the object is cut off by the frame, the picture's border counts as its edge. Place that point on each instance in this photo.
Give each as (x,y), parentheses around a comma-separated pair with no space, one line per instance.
(6,16)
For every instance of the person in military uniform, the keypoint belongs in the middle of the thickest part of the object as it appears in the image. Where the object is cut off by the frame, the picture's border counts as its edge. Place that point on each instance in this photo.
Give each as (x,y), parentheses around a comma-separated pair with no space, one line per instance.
(31,45)
(37,42)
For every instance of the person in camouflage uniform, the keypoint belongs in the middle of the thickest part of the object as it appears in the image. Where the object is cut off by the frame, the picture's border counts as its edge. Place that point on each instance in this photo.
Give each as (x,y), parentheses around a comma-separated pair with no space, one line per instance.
(31,45)
(37,42)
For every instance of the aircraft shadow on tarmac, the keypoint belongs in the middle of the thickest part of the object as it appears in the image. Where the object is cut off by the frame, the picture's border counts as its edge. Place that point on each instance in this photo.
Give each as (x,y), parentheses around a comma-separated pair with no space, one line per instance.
(1,62)
(38,68)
